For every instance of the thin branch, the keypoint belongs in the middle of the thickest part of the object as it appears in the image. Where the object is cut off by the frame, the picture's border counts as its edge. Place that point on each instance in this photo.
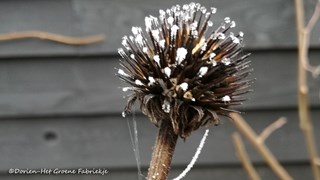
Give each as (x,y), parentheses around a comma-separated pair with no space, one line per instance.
(306,124)
(271,128)
(195,157)
(315,70)
(317,162)
(244,157)
(253,138)
(52,37)
(314,19)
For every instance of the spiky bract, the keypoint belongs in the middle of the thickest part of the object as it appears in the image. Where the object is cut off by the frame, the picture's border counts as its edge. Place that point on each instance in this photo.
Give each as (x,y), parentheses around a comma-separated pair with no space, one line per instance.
(180,70)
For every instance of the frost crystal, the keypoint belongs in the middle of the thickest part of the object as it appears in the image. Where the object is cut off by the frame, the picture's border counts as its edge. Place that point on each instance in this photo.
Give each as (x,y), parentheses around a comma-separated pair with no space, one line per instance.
(226,61)
(194,25)
(123,114)
(174,30)
(241,34)
(167,71)
(121,52)
(236,40)
(121,72)
(227,20)
(145,49)
(212,55)
(162,14)
(226,98)
(151,80)
(184,86)
(148,23)
(233,24)
(157,59)
(204,47)
(181,54)
(170,20)
(139,39)
(155,34)
(203,71)
(125,89)
(213,10)
(221,36)
(162,43)
(136,30)
(138,82)
(166,107)
(214,63)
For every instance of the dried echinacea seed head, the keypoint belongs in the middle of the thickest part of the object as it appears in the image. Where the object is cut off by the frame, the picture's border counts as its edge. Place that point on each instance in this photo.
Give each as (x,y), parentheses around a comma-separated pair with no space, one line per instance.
(183,71)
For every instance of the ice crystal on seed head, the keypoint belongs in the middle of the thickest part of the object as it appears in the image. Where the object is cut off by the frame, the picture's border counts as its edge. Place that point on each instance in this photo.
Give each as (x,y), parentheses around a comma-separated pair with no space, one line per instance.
(182,70)
(184,86)
(181,54)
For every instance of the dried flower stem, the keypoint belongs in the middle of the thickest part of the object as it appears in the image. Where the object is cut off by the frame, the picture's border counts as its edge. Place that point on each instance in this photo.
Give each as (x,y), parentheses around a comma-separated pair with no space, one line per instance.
(315,70)
(254,139)
(304,113)
(244,157)
(52,37)
(162,152)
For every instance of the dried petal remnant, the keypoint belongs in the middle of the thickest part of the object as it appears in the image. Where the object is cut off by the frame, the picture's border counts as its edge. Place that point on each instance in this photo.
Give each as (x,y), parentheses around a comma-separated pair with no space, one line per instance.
(182,70)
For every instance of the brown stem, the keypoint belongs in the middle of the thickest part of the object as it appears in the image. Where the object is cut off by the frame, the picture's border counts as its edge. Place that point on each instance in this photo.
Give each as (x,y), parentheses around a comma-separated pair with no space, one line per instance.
(306,124)
(162,152)
(244,157)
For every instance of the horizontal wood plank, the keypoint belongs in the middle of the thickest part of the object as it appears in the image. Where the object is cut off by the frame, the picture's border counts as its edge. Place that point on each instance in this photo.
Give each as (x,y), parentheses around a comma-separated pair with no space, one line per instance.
(105,142)
(88,85)
(267,24)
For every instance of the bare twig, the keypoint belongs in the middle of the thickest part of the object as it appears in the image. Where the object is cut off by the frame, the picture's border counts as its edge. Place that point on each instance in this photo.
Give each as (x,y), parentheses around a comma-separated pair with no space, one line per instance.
(244,157)
(253,138)
(52,37)
(315,70)
(317,162)
(271,128)
(304,113)
(313,20)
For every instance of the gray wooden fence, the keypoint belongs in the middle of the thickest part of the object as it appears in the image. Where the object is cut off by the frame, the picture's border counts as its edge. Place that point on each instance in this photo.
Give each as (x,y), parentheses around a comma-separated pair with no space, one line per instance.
(60,105)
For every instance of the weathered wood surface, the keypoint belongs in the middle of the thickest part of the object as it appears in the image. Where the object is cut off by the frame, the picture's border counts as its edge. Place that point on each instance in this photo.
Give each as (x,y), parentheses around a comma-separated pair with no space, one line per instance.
(60,105)
(267,24)
(87,85)
(209,172)
(104,141)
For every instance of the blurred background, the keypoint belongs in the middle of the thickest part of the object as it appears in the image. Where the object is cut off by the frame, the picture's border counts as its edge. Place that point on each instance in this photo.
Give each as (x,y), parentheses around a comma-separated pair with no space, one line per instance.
(60,105)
